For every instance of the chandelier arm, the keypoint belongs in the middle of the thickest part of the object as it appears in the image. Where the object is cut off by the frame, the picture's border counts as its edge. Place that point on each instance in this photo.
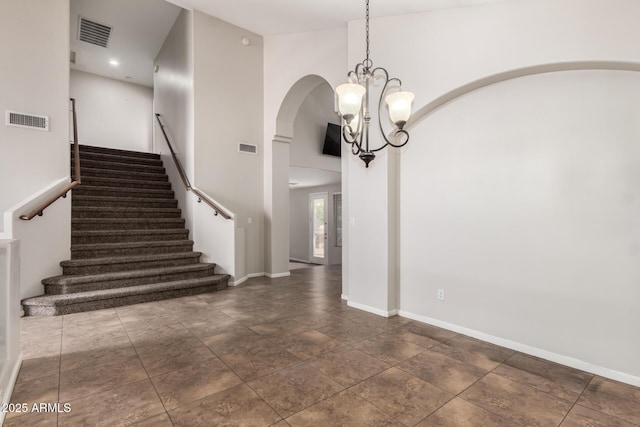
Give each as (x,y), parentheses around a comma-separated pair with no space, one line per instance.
(403,132)
(356,148)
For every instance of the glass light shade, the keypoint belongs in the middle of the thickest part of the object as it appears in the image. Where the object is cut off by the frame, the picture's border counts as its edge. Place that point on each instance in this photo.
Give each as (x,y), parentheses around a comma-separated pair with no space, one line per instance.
(350,100)
(399,104)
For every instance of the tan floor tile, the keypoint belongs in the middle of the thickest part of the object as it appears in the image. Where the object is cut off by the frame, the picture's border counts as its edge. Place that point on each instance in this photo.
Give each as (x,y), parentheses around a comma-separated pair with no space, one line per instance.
(442,371)
(474,352)
(39,347)
(561,381)
(75,340)
(389,348)
(123,405)
(344,409)
(279,327)
(613,398)
(403,396)
(258,361)
(161,420)
(427,331)
(460,413)
(34,326)
(237,406)
(194,382)
(173,355)
(585,417)
(204,328)
(293,389)
(32,419)
(349,332)
(88,380)
(348,366)
(310,344)
(380,322)
(98,356)
(521,404)
(39,367)
(41,390)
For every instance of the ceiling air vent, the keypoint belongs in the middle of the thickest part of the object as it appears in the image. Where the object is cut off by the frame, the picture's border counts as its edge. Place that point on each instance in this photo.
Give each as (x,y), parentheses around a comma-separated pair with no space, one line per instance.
(30,121)
(93,32)
(247,148)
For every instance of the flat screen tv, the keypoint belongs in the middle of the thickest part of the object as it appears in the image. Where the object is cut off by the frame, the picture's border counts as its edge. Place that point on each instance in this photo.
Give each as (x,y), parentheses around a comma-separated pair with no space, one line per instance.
(332,140)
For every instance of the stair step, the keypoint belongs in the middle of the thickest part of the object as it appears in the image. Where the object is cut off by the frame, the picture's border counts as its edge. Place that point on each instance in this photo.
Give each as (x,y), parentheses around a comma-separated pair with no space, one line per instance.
(130,175)
(101,212)
(115,158)
(88,224)
(123,192)
(127,263)
(122,202)
(124,236)
(98,181)
(117,152)
(118,166)
(52,305)
(101,250)
(59,285)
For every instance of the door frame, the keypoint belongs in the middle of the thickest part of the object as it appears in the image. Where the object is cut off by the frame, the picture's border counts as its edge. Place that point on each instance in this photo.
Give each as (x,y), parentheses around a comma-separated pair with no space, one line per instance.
(312,259)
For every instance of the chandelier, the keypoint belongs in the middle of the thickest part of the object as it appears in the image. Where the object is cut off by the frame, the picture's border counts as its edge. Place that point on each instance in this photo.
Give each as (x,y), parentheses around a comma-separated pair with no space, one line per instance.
(353,104)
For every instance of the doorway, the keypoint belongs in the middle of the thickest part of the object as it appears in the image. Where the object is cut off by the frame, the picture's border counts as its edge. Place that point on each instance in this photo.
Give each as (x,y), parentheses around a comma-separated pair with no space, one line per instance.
(318,246)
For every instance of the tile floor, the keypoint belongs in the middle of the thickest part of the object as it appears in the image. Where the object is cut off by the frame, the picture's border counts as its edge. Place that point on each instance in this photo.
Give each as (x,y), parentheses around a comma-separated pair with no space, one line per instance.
(290,352)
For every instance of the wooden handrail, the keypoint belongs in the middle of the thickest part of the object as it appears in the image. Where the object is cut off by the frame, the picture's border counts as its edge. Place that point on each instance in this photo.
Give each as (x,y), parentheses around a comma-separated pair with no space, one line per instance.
(39,211)
(183,176)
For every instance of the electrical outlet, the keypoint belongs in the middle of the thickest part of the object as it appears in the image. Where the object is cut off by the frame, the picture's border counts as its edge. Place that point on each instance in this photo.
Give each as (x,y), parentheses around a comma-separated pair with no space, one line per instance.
(441,294)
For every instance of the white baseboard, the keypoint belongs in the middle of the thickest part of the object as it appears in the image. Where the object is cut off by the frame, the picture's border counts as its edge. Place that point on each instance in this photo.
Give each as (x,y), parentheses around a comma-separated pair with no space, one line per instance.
(306,261)
(344,297)
(8,390)
(247,277)
(277,275)
(527,349)
(372,309)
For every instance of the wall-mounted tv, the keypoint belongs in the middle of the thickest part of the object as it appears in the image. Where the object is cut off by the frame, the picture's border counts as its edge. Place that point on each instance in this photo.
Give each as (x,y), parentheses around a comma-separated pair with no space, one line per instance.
(332,140)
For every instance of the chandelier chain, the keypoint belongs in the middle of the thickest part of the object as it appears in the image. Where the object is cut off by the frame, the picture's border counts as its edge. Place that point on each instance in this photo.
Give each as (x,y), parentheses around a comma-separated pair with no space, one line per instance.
(367,30)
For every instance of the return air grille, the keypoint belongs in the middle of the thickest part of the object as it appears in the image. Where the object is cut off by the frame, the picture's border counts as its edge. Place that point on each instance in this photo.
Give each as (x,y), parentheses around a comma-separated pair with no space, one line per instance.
(27,120)
(247,148)
(93,32)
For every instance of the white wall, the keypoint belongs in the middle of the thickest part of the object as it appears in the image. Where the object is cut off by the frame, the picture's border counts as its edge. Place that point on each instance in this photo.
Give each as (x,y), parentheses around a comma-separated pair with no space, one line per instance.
(112,113)
(309,129)
(299,239)
(34,79)
(173,100)
(228,110)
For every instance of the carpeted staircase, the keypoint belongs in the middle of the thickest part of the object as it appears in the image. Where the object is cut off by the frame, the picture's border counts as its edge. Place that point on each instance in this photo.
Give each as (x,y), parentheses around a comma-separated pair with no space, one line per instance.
(128,241)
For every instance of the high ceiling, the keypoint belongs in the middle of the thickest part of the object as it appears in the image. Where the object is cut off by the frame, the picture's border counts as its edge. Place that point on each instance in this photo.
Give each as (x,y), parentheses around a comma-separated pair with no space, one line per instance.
(139,30)
(290,16)
(141,26)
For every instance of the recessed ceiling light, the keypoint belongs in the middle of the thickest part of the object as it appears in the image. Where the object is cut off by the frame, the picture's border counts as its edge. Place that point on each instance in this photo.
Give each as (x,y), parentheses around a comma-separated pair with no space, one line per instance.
(114,63)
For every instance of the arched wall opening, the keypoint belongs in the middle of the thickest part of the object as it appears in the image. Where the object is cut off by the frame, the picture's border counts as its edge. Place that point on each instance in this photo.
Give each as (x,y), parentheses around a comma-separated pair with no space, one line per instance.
(277,188)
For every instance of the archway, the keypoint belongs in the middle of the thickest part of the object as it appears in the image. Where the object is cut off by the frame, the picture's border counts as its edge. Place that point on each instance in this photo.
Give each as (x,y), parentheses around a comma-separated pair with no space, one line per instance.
(277,177)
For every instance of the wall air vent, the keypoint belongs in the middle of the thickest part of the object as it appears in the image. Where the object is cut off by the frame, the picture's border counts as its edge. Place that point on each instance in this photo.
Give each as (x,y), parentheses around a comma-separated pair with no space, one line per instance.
(247,148)
(30,121)
(93,32)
